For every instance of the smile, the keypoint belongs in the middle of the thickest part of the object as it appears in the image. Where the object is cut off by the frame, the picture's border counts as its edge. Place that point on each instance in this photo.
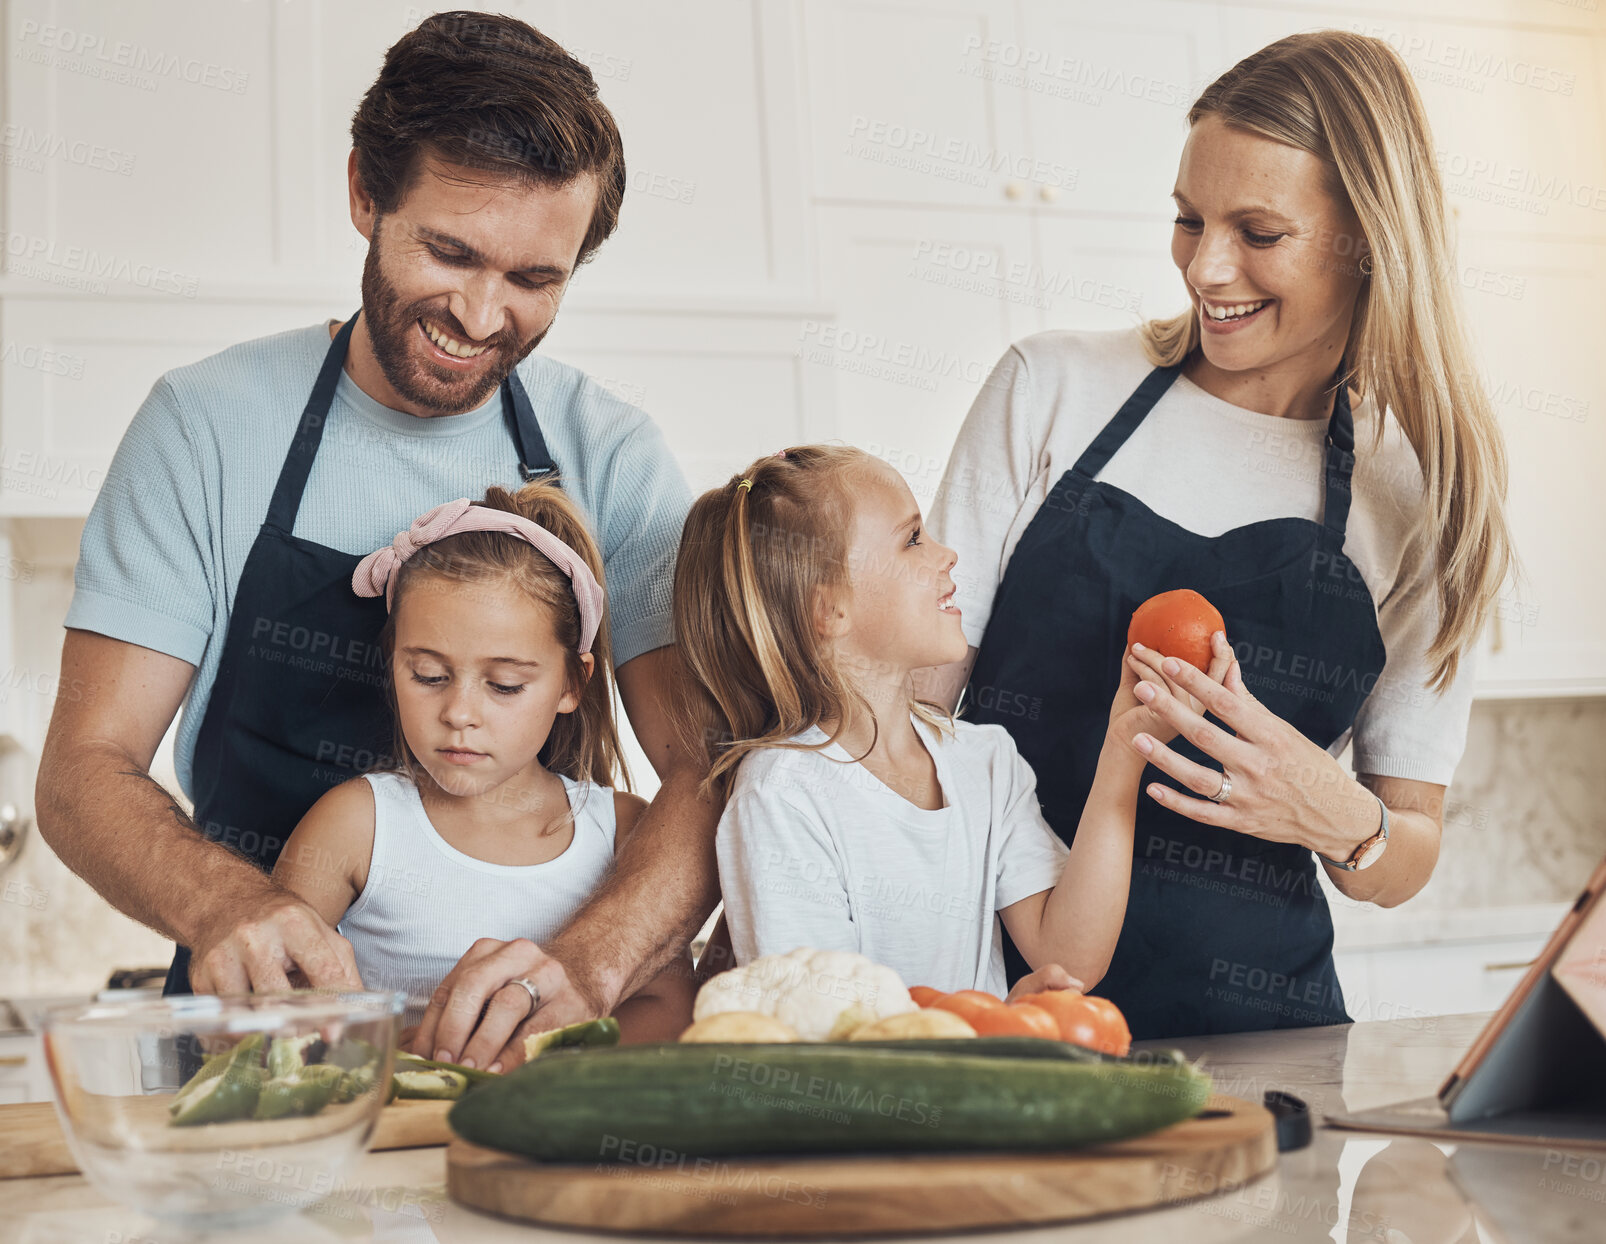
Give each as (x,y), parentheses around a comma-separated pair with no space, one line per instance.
(1229,312)
(946,603)
(451,345)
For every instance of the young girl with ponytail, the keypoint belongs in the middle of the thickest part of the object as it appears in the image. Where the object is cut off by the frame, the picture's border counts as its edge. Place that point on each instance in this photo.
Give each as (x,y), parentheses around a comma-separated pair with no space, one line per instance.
(857,818)
(496,817)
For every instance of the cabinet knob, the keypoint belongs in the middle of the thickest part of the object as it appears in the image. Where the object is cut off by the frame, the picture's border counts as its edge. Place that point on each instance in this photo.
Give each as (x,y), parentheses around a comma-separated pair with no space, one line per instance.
(1014,191)
(1049,194)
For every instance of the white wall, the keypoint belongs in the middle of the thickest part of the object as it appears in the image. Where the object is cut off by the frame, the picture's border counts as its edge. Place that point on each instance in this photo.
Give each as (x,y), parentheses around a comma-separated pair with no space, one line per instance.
(841,212)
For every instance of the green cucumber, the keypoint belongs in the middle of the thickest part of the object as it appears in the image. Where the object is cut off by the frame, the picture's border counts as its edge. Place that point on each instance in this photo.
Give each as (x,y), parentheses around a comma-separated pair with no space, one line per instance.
(707,1100)
(604,1031)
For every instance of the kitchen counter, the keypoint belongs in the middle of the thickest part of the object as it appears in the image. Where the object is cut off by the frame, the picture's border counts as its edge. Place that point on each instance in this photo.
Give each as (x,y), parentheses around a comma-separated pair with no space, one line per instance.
(1346,1186)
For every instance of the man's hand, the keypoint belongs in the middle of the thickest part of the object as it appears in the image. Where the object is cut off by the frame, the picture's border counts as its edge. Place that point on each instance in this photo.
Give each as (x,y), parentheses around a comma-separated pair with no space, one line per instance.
(281,944)
(478,998)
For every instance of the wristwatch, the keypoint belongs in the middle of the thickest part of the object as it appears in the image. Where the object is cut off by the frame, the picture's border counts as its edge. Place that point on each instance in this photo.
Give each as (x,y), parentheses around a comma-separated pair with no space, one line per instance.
(1368,853)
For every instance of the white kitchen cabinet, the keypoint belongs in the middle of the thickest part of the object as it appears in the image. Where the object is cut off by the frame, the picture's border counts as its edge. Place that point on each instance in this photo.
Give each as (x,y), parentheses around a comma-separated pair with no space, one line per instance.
(901,108)
(1107,92)
(926,302)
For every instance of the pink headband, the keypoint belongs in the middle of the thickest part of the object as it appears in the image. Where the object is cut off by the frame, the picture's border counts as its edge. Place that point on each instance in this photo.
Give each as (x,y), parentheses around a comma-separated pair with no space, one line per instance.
(376,573)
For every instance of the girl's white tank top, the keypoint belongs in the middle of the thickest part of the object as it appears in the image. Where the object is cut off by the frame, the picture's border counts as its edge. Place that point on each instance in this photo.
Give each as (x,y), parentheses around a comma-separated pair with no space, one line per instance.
(425,902)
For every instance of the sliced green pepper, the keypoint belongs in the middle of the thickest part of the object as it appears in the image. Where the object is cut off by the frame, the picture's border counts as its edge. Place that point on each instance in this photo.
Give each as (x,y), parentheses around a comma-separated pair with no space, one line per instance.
(301,1093)
(287,1055)
(242,1053)
(221,1099)
(604,1031)
(436,1084)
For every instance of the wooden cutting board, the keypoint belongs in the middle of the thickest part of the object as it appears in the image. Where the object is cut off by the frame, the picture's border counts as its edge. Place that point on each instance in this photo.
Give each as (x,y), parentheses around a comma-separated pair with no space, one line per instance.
(1232,1142)
(31,1141)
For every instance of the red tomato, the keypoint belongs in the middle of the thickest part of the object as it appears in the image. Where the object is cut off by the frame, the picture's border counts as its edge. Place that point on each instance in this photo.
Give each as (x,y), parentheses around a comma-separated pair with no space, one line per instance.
(1096,1023)
(925,995)
(1017,1020)
(971,1005)
(1176,624)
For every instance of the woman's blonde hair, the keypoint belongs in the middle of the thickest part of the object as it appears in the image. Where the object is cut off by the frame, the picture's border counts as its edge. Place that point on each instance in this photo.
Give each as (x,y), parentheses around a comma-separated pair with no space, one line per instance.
(1349,100)
(756,557)
(583,745)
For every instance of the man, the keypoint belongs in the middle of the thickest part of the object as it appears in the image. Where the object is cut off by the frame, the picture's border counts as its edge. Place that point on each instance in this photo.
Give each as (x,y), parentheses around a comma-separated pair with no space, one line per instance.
(215,566)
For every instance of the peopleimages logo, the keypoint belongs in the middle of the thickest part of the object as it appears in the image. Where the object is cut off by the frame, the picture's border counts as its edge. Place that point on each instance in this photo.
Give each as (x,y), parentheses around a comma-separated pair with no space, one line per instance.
(84,51)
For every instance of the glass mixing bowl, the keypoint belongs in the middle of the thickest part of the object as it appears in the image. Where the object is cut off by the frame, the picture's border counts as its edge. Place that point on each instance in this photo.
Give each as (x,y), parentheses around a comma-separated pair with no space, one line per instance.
(222,1111)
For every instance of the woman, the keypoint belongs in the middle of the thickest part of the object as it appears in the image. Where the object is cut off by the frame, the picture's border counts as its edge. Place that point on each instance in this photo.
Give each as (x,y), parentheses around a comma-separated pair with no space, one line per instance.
(1307,446)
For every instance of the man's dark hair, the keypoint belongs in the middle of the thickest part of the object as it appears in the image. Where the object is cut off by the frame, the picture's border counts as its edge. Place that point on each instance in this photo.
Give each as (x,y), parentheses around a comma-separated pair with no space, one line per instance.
(491,93)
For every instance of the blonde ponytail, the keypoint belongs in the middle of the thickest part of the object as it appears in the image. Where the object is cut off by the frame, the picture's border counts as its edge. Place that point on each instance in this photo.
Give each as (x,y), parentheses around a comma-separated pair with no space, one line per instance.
(759,558)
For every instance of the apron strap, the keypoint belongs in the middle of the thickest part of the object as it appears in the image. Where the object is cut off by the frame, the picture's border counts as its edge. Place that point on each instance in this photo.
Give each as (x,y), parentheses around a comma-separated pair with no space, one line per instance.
(535,460)
(1117,430)
(1340,468)
(297,466)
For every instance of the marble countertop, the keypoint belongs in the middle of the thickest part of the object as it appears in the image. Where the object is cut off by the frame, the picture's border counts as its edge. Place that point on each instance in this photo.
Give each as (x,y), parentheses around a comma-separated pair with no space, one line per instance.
(1346,1186)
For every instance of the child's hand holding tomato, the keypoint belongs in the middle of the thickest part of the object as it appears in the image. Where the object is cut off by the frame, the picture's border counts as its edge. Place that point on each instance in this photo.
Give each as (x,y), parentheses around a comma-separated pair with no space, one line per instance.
(1182,624)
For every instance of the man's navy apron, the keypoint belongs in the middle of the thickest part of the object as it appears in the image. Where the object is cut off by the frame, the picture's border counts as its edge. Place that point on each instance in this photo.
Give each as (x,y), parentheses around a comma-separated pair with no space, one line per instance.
(299,703)
(1224,932)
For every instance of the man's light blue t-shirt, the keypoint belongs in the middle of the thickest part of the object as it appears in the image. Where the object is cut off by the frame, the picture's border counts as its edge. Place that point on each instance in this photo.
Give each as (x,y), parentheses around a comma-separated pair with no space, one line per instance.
(189,486)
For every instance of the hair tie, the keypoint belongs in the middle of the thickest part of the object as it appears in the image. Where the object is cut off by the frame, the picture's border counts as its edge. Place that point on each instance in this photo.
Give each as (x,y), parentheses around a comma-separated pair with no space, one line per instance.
(376,573)
(747,484)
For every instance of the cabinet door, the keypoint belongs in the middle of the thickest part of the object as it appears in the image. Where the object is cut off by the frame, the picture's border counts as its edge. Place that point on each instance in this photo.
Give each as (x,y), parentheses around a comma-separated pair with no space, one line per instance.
(1105,274)
(926,302)
(1107,91)
(1538,317)
(902,106)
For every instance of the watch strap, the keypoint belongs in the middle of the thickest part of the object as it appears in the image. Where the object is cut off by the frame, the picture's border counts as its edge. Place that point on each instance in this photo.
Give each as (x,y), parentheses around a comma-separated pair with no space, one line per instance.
(1382,835)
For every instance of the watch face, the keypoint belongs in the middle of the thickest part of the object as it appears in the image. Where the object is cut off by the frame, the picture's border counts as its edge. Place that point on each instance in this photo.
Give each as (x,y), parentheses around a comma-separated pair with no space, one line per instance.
(1369,851)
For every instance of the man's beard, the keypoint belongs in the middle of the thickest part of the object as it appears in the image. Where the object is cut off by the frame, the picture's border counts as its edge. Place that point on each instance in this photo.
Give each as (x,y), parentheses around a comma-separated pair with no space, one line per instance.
(390,325)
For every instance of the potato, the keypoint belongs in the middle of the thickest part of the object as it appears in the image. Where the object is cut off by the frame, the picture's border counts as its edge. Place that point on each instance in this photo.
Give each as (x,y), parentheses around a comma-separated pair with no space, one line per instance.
(740,1026)
(915,1025)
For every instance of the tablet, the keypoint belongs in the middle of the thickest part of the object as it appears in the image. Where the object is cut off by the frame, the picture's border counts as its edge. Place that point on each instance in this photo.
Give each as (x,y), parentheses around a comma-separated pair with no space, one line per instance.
(1545,1048)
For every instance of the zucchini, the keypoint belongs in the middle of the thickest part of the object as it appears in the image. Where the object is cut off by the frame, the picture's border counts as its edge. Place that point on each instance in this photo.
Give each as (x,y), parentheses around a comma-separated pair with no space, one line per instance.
(708,1100)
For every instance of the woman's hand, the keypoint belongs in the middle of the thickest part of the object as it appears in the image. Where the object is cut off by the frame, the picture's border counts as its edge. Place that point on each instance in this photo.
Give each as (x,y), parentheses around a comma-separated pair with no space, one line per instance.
(1284,787)
(1130,715)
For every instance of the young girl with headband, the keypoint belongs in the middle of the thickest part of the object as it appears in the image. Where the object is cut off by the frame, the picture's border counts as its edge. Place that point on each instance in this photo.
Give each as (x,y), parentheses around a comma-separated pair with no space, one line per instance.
(807,593)
(496,818)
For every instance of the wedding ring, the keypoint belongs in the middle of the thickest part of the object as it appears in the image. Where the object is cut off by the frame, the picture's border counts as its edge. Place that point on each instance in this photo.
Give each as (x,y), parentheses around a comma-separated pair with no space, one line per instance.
(535,994)
(1226,789)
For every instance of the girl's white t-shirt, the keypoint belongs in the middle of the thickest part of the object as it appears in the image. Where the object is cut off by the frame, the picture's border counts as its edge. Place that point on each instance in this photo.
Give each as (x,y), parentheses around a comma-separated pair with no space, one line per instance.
(1209,467)
(814,850)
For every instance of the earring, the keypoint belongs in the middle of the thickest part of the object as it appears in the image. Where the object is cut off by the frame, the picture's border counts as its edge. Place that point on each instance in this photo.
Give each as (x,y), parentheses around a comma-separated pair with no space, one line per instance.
(1365,264)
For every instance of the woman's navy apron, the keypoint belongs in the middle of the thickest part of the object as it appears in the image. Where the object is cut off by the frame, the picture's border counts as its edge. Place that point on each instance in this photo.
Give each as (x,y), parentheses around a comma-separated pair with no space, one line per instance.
(299,703)
(1224,932)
